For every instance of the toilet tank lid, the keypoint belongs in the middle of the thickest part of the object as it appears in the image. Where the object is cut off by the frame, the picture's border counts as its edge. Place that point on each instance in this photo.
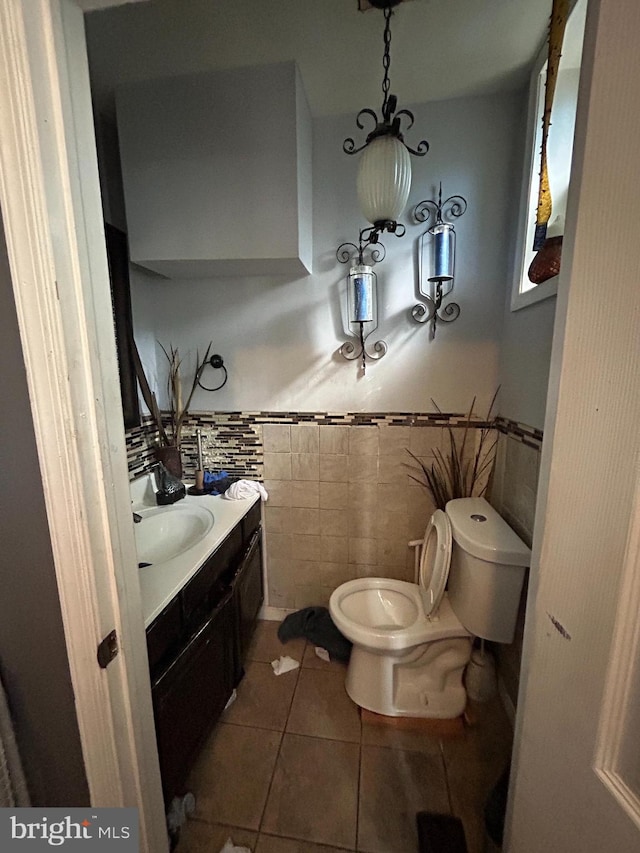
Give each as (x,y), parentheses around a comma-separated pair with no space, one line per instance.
(483,533)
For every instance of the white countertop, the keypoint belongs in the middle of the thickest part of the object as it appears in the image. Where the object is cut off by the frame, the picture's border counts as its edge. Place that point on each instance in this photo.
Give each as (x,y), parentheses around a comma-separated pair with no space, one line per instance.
(161,582)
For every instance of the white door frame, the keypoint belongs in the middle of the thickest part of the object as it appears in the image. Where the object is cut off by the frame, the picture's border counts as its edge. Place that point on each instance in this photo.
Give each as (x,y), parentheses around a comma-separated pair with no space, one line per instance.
(577,724)
(50,198)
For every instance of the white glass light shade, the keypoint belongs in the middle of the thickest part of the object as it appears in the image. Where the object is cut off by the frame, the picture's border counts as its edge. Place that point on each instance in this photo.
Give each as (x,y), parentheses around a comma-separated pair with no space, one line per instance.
(384,179)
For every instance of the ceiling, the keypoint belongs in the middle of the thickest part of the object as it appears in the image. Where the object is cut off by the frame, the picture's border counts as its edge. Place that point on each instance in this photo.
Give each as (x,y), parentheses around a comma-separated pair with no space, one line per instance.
(439,48)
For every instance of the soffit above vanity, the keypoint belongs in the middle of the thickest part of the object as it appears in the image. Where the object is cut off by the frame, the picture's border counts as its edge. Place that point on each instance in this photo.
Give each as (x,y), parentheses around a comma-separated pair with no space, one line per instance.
(217,172)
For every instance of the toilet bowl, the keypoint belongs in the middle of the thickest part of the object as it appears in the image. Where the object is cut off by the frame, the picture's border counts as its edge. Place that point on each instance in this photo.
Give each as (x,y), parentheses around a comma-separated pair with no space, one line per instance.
(412,641)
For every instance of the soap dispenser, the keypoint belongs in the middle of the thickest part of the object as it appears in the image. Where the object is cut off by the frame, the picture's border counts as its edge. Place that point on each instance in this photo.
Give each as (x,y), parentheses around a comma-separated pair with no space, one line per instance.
(170,488)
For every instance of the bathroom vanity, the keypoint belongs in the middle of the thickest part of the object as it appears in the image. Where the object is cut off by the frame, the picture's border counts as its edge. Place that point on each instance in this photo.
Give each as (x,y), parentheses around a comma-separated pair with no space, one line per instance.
(200,611)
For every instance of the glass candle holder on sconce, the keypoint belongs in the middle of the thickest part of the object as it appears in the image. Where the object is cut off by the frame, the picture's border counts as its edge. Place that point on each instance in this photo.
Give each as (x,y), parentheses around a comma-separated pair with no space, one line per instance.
(444,252)
(361,292)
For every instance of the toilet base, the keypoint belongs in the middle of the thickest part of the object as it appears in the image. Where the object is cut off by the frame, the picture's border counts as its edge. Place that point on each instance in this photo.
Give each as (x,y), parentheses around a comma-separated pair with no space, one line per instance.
(424,682)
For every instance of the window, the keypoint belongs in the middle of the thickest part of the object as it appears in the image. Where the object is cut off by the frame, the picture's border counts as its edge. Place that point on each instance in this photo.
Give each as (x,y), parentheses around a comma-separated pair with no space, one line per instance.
(559,152)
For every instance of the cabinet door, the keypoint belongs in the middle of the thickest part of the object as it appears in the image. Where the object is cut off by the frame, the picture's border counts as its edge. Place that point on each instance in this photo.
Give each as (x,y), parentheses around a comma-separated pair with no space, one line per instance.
(249,592)
(203,588)
(164,635)
(190,695)
(250,523)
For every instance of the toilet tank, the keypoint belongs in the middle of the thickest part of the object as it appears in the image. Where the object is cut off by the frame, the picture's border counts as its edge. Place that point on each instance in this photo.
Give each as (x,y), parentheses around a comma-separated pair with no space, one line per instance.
(488,562)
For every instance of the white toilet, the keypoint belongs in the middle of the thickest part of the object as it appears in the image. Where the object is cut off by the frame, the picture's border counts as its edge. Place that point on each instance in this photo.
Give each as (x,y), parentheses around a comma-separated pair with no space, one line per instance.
(412,641)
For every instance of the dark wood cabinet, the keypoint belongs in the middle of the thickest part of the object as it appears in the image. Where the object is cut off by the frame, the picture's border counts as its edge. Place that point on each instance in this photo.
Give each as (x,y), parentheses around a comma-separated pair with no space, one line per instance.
(190,695)
(248,593)
(197,647)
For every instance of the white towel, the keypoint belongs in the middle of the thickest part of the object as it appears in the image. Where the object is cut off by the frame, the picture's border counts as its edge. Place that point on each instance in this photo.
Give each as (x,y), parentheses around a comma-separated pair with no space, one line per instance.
(245,489)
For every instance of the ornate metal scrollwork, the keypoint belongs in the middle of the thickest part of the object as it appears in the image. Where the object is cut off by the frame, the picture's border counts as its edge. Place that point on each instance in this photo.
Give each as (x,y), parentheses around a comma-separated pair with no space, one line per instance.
(390,123)
(369,251)
(443,213)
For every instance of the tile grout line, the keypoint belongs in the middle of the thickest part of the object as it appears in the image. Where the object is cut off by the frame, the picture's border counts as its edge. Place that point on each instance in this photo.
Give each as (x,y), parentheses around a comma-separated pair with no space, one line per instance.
(282,734)
(357,839)
(446,776)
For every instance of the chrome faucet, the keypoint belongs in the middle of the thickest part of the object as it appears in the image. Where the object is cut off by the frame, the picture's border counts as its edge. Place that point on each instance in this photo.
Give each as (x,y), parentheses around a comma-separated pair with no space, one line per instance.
(136,518)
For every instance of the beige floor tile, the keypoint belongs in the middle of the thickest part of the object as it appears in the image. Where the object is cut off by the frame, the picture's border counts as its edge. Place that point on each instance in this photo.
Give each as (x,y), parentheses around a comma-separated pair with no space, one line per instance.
(313,795)
(274,844)
(322,708)
(393,738)
(265,645)
(200,837)
(231,778)
(394,785)
(474,764)
(263,699)
(312,661)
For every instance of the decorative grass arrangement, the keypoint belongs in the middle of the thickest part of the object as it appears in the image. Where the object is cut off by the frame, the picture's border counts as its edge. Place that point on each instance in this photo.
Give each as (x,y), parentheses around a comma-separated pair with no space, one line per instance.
(170,433)
(455,473)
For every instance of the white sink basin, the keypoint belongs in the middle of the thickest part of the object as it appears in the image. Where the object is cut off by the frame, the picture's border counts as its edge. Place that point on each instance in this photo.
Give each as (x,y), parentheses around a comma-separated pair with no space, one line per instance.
(167,531)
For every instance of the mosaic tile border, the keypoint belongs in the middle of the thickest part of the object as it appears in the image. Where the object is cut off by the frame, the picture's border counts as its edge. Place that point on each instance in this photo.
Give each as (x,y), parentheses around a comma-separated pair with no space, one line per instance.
(439,419)
(530,436)
(233,440)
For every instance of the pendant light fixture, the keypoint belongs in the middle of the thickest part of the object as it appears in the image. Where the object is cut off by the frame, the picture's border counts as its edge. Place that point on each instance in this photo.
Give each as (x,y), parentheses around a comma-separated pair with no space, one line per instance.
(384,174)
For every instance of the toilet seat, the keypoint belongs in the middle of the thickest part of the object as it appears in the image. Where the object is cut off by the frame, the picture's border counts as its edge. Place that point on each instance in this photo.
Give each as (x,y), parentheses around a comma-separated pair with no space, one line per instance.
(435,559)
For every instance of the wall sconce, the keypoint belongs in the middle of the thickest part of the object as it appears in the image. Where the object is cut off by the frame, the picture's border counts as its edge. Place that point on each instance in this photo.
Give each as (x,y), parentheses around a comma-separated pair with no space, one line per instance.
(362,306)
(384,173)
(436,255)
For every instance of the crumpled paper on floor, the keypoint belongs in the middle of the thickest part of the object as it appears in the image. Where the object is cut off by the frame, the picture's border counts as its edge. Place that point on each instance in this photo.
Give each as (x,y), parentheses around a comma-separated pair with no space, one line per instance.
(323,654)
(284,664)
(229,847)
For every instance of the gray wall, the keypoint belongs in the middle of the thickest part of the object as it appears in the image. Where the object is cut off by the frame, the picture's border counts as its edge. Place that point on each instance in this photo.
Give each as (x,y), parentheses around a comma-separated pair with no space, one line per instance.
(524,362)
(525,349)
(33,656)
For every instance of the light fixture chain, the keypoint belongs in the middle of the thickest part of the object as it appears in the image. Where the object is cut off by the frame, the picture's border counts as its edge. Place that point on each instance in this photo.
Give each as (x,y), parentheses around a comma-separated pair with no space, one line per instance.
(386,59)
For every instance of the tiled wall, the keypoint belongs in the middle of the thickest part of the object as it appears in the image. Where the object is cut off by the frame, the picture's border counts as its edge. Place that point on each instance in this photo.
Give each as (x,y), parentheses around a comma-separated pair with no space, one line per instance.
(513,493)
(341,501)
(341,505)
(515,480)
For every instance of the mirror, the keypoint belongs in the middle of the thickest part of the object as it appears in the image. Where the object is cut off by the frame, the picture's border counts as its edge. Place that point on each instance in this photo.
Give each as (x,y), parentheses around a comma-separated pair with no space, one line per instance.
(118,257)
